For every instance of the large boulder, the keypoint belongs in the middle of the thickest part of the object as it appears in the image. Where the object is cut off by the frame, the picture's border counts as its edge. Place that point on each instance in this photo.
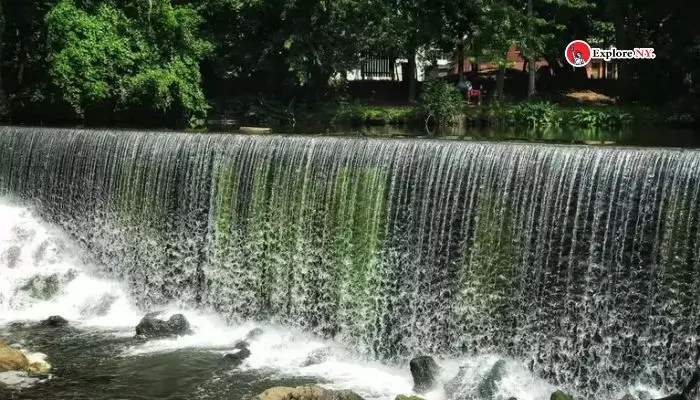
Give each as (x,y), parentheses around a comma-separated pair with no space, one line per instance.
(12,359)
(425,373)
(54,321)
(152,328)
(404,397)
(306,393)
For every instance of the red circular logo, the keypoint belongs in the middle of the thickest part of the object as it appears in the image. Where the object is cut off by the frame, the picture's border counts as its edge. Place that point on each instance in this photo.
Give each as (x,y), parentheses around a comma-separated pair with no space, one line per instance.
(578,53)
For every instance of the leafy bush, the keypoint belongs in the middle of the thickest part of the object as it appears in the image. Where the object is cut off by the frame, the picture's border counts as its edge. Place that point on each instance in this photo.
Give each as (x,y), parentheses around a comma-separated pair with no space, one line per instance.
(386,115)
(597,118)
(534,114)
(542,115)
(442,101)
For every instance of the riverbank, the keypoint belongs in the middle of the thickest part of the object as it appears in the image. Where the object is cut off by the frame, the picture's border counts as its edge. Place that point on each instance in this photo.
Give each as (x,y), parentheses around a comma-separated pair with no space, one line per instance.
(543,115)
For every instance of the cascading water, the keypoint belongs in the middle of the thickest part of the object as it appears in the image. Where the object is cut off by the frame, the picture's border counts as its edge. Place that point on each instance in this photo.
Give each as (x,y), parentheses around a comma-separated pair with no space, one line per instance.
(583,261)
(42,273)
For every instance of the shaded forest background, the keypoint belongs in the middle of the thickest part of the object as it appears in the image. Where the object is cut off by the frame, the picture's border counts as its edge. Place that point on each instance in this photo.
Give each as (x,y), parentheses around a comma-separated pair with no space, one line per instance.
(170,63)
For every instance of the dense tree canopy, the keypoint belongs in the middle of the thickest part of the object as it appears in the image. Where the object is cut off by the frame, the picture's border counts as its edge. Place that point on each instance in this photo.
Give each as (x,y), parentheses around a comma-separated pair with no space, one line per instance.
(172,60)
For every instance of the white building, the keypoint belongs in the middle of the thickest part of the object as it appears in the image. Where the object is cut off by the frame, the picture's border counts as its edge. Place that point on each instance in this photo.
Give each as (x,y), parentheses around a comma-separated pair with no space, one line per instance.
(383,69)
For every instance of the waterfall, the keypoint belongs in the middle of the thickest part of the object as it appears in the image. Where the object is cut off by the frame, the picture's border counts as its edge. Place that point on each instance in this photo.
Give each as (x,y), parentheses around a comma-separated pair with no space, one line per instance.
(583,261)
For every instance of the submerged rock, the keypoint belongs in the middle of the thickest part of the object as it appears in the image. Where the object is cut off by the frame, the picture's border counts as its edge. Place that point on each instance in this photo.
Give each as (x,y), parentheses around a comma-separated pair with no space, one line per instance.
(306,393)
(99,307)
(54,321)
(317,357)
(254,334)
(457,389)
(241,352)
(152,327)
(559,395)
(11,256)
(489,385)
(425,373)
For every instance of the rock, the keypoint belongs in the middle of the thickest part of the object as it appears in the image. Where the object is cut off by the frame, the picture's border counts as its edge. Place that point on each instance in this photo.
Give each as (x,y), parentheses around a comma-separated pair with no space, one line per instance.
(11,256)
(43,287)
(54,321)
(454,388)
(457,389)
(179,325)
(242,352)
(317,356)
(238,356)
(306,393)
(489,386)
(254,334)
(99,307)
(12,359)
(425,373)
(559,395)
(404,397)
(687,390)
(152,327)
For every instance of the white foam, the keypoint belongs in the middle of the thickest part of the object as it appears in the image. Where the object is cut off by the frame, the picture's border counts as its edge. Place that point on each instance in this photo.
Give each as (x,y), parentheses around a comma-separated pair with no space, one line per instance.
(32,251)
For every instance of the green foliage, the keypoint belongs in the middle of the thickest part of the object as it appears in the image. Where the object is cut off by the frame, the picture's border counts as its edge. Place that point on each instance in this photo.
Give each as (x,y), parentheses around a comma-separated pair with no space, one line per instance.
(598,117)
(373,114)
(442,101)
(126,59)
(549,115)
(529,114)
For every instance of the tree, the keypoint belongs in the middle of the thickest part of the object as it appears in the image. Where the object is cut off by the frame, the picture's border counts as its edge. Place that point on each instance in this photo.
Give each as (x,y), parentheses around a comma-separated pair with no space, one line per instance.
(106,56)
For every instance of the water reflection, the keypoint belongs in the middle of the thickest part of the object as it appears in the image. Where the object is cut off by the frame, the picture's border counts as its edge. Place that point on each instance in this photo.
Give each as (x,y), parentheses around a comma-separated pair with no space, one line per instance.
(638,136)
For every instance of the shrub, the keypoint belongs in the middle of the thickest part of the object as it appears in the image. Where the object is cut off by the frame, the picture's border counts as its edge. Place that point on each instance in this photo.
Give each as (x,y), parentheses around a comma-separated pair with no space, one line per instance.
(442,102)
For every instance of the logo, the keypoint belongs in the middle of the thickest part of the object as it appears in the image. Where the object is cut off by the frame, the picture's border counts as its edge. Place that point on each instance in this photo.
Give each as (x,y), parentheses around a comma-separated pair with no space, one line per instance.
(579,53)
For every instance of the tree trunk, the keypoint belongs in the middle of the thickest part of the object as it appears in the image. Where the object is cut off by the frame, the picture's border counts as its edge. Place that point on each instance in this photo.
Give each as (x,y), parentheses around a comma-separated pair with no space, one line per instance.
(621,35)
(500,81)
(532,63)
(531,79)
(411,75)
(460,60)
